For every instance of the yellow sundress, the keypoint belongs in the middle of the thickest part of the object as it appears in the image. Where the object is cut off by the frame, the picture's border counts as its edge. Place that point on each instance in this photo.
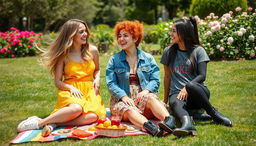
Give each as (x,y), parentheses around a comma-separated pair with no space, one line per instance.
(80,75)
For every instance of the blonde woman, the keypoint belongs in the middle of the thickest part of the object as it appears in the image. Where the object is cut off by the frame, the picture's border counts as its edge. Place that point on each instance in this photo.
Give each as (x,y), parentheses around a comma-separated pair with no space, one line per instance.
(75,66)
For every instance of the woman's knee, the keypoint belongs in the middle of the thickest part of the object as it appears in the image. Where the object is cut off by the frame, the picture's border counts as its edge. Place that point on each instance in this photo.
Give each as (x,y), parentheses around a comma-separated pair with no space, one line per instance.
(76,108)
(151,101)
(92,116)
(190,86)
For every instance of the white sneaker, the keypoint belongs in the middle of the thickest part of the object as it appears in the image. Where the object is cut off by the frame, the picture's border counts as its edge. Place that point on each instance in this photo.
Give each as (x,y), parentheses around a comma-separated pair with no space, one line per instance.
(29,124)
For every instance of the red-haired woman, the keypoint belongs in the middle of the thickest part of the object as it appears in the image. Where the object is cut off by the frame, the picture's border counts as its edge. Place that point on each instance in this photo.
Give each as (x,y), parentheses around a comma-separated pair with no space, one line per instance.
(133,80)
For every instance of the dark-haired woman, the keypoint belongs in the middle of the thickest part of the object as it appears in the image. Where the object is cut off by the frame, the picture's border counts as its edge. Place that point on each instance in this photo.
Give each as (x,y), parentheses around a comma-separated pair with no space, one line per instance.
(185,64)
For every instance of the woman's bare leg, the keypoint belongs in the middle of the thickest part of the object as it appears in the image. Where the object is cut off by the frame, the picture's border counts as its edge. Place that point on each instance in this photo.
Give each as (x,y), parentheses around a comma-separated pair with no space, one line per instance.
(134,117)
(157,108)
(63,115)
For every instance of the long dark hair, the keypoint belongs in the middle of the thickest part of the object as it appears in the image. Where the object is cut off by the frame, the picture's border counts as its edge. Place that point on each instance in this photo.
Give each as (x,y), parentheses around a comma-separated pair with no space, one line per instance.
(188,32)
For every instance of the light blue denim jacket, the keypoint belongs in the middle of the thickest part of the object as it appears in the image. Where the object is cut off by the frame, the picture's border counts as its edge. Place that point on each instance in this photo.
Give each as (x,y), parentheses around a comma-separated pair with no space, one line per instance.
(118,72)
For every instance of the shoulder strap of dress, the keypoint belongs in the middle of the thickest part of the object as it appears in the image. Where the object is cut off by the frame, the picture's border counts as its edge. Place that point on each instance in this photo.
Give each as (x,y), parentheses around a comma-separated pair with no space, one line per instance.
(69,58)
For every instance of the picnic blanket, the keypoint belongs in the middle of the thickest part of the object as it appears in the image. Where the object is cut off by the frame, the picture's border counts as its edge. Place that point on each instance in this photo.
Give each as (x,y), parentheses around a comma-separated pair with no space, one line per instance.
(66,132)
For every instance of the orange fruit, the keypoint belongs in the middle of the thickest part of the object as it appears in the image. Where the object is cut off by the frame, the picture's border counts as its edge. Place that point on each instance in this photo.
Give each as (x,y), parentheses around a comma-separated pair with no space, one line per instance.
(107,123)
(101,125)
(92,129)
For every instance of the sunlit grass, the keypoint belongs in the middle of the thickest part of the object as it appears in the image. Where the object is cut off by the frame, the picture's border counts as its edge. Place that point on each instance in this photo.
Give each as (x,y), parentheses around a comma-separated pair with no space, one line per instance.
(27,89)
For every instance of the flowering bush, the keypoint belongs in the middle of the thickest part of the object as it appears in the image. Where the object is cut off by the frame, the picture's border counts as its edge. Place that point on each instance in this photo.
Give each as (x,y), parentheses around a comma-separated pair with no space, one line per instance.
(231,36)
(16,43)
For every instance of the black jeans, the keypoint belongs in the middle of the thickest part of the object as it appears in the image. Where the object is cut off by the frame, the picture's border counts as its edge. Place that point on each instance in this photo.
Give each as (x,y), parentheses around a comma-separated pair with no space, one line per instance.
(198,98)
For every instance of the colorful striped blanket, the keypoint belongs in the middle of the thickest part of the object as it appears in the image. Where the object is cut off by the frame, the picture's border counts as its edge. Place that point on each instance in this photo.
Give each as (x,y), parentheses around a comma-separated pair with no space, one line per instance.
(66,132)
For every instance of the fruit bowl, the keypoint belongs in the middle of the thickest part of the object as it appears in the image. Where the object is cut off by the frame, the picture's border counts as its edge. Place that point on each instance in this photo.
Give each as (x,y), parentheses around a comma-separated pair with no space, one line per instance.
(110,131)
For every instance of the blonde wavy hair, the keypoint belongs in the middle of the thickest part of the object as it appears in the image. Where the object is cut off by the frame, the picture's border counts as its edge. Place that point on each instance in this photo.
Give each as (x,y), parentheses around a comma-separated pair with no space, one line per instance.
(62,45)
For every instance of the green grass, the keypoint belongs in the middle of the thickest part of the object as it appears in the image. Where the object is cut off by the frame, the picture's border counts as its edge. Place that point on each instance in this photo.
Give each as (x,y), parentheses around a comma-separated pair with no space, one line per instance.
(27,89)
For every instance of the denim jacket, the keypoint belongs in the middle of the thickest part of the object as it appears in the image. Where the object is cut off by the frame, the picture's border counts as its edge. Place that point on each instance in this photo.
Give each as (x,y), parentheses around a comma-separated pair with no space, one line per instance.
(118,72)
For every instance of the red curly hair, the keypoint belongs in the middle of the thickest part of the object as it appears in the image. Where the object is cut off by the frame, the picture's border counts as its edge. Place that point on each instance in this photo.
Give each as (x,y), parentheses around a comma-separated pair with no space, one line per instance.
(135,28)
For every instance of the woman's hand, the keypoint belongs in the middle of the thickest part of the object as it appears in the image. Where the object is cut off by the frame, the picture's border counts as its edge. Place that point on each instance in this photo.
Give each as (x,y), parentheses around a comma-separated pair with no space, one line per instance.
(75,92)
(96,86)
(183,95)
(142,94)
(128,101)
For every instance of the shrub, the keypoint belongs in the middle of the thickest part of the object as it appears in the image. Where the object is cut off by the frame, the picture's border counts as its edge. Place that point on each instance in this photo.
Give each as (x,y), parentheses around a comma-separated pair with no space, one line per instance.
(102,36)
(16,43)
(204,7)
(150,34)
(231,36)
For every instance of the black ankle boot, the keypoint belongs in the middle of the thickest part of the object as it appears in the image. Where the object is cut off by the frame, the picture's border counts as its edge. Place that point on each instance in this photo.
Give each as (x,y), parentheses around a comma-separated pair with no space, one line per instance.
(152,128)
(168,124)
(219,118)
(199,115)
(187,127)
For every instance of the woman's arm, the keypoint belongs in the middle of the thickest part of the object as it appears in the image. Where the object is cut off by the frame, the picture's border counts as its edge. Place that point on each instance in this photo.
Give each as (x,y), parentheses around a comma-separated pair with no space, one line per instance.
(60,84)
(201,70)
(154,80)
(96,75)
(111,80)
(167,75)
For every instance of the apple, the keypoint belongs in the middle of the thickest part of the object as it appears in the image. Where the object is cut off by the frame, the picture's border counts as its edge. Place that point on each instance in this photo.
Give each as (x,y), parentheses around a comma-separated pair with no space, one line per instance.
(115,122)
(101,120)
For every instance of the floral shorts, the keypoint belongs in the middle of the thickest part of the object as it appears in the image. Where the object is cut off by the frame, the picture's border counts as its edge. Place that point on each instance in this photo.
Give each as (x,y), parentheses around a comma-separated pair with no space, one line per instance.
(118,108)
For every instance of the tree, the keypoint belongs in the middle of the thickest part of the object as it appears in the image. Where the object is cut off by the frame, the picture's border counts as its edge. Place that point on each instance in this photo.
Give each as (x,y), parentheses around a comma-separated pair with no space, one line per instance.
(111,11)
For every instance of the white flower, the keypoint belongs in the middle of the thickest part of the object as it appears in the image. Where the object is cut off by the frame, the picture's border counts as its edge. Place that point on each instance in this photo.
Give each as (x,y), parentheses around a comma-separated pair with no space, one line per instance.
(197,18)
(223,25)
(238,9)
(221,41)
(230,40)
(239,33)
(202,22)
(218,46)
(214,23)
(212,14)
(212,52)
(243,30)
(215,28)
(227,16)
(221,49)
(224,20)
(251,37)
(208,33)
(235,20)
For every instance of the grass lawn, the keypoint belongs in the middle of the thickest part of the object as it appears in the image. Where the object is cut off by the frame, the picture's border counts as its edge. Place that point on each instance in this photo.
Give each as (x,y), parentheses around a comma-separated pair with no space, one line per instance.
(27,89)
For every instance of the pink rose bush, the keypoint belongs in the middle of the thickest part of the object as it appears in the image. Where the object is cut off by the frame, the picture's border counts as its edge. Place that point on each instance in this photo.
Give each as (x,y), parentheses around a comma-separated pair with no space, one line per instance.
(16,43)
(235,38)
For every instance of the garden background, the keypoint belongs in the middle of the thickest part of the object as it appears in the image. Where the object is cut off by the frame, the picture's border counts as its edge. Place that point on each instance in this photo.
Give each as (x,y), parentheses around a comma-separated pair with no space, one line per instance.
(227,32)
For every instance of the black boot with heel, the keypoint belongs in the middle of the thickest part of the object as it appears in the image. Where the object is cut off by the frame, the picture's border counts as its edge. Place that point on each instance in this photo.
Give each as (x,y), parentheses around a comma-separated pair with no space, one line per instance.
(219,118)
(187,127)
(168,124)
(152,128)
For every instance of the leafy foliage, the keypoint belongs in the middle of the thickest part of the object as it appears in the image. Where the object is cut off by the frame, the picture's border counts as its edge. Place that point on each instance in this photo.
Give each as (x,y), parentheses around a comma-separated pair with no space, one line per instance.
(204,7)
